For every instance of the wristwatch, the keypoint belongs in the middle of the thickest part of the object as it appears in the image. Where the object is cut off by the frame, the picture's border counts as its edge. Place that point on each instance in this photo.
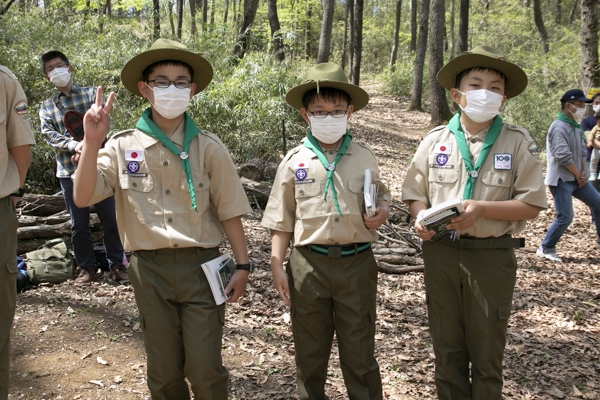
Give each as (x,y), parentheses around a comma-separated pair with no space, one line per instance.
(246,267)
(19,193)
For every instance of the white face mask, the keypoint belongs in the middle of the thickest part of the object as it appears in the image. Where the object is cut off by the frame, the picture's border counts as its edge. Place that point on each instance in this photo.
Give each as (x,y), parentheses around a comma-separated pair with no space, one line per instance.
(578,114)
(328,130)
(596,107)
(171,102)
(60,77)
(482,104)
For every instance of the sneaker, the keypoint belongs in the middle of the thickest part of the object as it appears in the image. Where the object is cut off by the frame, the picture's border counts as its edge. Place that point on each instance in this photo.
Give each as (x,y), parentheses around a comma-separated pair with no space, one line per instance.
(593,176)
(119,273)
(85,276)
(549,254)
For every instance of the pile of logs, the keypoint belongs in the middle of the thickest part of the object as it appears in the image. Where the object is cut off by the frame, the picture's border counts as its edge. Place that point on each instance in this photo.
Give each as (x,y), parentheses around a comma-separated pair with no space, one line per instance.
(44,217)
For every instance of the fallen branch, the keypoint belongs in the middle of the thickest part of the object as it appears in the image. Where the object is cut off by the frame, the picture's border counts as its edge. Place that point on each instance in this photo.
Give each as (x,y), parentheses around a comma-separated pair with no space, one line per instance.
(392,269)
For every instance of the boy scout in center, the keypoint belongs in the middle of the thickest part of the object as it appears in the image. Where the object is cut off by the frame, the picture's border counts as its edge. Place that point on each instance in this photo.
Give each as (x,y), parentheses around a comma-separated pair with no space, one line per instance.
(176,190)
(317,203)
(494,168)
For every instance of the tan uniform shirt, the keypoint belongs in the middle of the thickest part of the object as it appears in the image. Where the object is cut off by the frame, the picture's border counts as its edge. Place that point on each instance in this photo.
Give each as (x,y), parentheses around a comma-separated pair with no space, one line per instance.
(15,129)
(297,205)
(151,192)
(512,170)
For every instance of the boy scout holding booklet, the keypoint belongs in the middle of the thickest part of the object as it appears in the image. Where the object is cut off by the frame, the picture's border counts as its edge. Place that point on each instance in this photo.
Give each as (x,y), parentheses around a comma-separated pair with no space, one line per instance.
(176,191)
(317,203)
(494,167)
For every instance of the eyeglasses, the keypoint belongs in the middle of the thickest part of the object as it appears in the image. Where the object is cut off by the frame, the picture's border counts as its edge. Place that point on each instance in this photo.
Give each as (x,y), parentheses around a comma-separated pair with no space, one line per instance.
(53,67)
(165,83)
(324,114)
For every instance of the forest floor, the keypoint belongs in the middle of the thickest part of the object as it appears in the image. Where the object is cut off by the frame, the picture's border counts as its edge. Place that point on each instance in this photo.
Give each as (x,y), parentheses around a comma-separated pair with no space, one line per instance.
(84,342)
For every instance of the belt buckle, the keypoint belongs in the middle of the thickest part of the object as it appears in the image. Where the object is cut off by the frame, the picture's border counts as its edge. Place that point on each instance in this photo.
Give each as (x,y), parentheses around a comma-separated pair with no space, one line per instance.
(334,252)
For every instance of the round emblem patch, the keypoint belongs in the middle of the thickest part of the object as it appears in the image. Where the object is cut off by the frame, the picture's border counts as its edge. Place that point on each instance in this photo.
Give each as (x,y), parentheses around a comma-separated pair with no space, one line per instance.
(441,159)
(133,167)
(301,174)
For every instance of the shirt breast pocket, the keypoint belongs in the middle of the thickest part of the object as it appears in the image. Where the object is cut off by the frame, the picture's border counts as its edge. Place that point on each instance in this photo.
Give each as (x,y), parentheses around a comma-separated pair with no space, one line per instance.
(309,204)
(136,191)
(356,204)
(441,183)
(497,185)
(201,189)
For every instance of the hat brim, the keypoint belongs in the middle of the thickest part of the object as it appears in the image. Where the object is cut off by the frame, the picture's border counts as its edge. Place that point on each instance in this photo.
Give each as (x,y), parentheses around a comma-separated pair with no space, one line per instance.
(516,78)
(358,97)
(132,71)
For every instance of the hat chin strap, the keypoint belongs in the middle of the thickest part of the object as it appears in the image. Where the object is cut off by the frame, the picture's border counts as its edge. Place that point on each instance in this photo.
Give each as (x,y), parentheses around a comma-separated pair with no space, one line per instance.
(317,86)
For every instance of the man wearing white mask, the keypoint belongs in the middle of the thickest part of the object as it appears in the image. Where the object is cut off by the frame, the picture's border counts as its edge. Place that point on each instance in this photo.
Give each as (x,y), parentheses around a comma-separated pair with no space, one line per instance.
(69,96)
(566,173)
(494,168)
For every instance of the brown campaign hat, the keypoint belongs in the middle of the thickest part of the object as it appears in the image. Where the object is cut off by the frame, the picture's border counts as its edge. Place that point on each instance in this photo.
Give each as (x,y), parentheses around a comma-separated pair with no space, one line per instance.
(484,57)
(327,75)
(164,50)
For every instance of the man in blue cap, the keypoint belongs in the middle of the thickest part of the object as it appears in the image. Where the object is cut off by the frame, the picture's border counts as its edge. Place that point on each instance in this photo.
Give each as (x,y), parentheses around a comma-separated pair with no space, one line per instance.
(566,174)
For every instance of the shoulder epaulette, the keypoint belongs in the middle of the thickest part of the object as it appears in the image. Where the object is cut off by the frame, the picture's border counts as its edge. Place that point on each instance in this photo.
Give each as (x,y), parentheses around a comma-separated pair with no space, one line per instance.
(365,146)
(436,129)
(290,153)
(120,133)
(520,129)
(8,72)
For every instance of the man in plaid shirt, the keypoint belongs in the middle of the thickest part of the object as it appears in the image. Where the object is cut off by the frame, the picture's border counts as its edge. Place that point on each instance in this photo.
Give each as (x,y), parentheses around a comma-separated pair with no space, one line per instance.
(68,96)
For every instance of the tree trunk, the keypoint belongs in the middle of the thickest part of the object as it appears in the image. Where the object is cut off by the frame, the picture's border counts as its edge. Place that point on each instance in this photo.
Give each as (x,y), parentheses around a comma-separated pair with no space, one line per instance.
(275,29)
(437,94)
(357,34)
(307,49)
(351,29)
(416,93)
(326,27)
(462,44)
(557,16)
(396,35)
(179,18)
(193,17)
(413,25)
(212,12)
(156,15)
(573,11)
(539,23)
(170,5)
(589,44)
(451,41)
(345,40)
(226,12)
(204,15)
(243,42)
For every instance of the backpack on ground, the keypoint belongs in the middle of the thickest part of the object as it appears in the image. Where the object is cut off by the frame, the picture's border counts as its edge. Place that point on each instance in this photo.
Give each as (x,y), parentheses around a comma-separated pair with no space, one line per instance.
(50,263)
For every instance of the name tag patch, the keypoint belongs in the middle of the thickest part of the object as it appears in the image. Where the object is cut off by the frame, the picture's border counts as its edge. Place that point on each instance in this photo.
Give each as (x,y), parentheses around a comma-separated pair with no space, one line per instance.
(503,161)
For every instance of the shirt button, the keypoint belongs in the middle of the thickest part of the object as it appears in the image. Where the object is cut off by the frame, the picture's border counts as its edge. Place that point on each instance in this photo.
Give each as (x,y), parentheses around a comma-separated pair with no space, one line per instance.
(170,220)
(175,245)
(336,219)
(201,185)
(439,177)
(134,184)
(168,192)
(500,181)
(301,192)
(472,157)
(165,163)
(331,152)
(473,140)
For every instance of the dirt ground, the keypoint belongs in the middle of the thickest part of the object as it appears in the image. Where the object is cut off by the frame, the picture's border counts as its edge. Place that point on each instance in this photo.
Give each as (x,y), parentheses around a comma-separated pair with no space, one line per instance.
(72,342)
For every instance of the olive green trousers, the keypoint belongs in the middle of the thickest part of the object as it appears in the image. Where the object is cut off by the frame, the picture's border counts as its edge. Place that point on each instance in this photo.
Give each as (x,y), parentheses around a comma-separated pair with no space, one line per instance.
(334,295)
(469,298)
(182,325)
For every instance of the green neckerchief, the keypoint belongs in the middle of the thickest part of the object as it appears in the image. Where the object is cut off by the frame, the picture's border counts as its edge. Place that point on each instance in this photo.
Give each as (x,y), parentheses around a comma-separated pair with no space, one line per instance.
(490,138)
(311,143)
(564,118)
(146,125)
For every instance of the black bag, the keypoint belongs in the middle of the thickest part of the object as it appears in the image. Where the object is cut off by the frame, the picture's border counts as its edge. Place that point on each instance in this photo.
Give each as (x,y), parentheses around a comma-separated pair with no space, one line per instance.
(50,263)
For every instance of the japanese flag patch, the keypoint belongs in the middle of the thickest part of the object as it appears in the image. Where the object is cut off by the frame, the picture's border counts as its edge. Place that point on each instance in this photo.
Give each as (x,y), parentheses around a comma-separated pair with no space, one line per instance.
(134,155)
(443,148)
(301,165)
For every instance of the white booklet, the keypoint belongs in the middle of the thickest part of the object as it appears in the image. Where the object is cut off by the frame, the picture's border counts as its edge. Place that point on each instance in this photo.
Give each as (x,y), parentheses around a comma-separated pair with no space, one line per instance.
(218,272)
(436,218)
(370,191)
